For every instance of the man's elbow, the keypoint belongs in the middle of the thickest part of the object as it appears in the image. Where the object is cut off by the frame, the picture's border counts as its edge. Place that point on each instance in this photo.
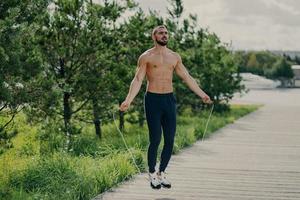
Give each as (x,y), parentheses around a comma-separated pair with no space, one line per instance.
(186,78)
(137,80)
(190,81)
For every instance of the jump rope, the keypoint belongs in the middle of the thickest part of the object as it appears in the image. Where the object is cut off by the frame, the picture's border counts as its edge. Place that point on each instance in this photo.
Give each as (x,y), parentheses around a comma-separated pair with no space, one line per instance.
(131,154)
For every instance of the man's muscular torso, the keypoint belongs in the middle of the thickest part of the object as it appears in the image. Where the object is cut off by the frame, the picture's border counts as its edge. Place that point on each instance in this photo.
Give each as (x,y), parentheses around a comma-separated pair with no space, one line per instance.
(159,70)
(158,65)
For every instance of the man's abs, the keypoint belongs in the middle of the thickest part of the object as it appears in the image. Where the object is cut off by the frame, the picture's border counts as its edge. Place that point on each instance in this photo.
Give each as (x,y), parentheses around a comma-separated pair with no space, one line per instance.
(159,79)
(160,86)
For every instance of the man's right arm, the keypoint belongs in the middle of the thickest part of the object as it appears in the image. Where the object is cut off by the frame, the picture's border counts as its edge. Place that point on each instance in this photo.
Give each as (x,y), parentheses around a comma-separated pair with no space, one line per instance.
(136,83)
(182,72)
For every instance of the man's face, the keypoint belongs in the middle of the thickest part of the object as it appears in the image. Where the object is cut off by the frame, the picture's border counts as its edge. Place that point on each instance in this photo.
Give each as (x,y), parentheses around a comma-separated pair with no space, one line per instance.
(161,36)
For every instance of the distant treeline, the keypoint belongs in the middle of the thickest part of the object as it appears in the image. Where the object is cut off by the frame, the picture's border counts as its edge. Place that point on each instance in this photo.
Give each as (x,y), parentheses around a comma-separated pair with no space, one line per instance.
(267,63)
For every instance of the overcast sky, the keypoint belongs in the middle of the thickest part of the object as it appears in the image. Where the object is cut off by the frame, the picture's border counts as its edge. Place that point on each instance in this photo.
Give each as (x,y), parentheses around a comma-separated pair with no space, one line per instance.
(248,24)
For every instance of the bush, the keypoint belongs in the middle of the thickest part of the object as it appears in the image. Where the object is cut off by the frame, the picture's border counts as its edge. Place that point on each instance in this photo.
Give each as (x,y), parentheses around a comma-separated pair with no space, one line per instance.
(47,175)
(5,139)
(62,176)
(184,137)
(27,149)
(85,145)
(51,138)
(221,107)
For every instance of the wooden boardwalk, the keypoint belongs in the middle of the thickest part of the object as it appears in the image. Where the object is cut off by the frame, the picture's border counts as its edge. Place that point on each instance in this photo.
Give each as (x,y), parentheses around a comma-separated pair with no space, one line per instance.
(256,158)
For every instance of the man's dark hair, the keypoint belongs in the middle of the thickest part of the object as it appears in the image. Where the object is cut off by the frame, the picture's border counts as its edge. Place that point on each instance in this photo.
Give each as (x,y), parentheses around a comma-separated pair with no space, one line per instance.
(154,31)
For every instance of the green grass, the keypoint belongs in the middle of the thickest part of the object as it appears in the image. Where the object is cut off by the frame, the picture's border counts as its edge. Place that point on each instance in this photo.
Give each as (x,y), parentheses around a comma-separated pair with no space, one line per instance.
(93,166)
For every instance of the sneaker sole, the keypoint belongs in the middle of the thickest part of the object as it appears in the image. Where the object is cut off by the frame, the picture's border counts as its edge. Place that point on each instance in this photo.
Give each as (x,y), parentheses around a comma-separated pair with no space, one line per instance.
(166,186)
(155,187)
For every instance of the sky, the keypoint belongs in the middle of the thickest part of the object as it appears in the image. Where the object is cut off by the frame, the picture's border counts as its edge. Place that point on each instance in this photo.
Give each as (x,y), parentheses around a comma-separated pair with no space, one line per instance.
(246,24)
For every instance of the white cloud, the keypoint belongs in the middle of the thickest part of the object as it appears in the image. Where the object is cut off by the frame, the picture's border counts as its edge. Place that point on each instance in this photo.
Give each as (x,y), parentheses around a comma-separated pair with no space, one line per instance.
(255,24)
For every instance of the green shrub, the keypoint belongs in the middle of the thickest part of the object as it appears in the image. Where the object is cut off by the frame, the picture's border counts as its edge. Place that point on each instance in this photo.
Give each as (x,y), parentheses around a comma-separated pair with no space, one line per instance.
(51,138)
(62,176)
(27,149)
(47,175)
(85,145)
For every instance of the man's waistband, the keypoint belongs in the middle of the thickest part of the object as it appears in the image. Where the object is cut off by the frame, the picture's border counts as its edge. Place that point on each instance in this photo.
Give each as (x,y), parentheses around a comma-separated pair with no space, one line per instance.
(158,94)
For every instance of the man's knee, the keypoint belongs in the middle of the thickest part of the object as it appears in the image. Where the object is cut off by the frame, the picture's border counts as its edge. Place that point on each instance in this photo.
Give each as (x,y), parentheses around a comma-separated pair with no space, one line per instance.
(169,141)
(155,142)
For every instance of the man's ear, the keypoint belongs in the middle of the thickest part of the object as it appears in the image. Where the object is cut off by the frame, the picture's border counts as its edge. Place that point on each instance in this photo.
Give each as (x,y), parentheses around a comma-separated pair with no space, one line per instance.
(153,37)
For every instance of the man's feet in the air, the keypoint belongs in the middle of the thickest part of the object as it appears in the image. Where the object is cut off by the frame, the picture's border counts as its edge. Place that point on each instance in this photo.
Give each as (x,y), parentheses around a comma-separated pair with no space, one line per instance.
(154,180)
(163,180)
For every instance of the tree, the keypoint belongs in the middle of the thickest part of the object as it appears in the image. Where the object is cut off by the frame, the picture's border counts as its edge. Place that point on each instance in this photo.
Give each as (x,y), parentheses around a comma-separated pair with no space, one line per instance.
(297,60)
(83,72)
(70,39)
(252,62)
(219,71)
(283,72)
(106,72)
(19,58)
(206,58)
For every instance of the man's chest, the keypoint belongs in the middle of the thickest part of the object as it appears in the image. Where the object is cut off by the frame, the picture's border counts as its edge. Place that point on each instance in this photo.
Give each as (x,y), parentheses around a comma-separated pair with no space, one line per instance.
(161,62)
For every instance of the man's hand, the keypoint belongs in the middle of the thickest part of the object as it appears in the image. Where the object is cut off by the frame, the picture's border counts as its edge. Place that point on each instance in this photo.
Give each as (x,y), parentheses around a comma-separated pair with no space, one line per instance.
(124,106)
(206,99)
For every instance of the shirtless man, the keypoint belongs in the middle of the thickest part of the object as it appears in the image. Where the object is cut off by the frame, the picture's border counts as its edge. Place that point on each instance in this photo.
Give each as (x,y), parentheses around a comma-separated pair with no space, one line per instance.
(158,65)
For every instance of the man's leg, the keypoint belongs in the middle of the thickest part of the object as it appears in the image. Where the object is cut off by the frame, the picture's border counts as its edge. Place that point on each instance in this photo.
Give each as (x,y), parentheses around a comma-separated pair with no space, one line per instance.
(153,117)
(169,129)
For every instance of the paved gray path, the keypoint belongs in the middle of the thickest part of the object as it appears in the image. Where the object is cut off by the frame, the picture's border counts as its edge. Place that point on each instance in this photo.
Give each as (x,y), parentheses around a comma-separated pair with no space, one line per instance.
(257,157)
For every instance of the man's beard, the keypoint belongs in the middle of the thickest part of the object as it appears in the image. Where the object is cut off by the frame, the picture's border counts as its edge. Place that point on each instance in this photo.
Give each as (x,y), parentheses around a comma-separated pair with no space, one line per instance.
(162,43)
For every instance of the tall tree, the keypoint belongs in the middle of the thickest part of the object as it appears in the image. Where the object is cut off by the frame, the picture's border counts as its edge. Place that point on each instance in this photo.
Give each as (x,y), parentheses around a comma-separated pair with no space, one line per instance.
(19,58)
(207,59)
(70,39)
(106,70)
(176,10)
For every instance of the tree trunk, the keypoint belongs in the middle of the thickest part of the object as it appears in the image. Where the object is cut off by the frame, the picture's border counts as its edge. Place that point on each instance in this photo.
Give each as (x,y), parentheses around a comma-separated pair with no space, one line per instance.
(97,121)
(66,107)
(67,119)
(121,117)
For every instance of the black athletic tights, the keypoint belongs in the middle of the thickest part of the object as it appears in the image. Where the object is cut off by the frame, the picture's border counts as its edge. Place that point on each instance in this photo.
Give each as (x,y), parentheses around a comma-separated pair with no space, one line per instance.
(160,112)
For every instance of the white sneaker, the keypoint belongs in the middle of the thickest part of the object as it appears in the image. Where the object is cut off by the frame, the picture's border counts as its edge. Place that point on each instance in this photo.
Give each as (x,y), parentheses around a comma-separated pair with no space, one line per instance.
(163,180)
(154,180)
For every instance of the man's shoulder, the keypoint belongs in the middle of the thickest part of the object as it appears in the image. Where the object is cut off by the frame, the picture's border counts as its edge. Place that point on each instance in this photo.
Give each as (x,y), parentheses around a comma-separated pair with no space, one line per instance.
(145,54)
(175,54)
(144,57)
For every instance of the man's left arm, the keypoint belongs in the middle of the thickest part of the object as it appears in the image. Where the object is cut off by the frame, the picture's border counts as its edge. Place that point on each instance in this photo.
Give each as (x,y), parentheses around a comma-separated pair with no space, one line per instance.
(182,72)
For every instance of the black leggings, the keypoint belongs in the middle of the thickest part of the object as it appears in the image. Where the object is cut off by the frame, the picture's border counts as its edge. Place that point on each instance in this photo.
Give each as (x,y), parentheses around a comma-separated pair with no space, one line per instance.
(160,112)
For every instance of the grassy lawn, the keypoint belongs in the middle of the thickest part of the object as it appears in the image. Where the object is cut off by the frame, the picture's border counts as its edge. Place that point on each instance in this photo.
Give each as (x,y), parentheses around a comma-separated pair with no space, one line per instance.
(93,166)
